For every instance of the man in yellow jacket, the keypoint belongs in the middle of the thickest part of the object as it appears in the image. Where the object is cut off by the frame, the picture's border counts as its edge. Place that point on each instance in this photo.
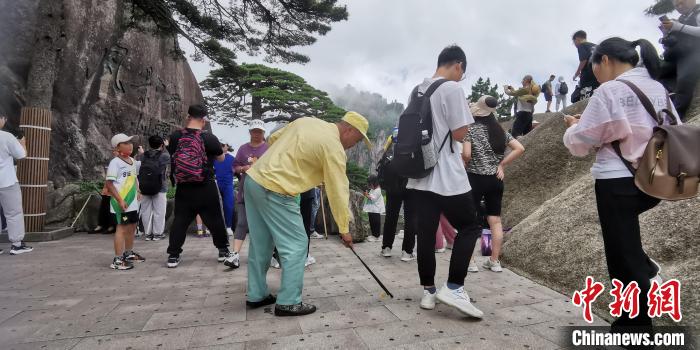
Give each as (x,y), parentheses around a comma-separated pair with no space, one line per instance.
(302,155)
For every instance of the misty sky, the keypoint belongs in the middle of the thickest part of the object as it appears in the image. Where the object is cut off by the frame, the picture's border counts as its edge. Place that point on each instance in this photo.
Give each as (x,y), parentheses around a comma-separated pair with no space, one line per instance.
(389,46)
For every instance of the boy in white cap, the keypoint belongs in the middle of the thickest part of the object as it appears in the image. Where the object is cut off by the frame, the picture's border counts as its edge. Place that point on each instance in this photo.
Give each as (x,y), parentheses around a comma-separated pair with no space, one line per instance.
(122,184)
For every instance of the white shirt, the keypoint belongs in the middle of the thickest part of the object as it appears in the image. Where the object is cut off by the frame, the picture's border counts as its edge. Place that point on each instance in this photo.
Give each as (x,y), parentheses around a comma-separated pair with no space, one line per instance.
(10,149)
(375,202)
(616,113)
(450,112)
(124,176)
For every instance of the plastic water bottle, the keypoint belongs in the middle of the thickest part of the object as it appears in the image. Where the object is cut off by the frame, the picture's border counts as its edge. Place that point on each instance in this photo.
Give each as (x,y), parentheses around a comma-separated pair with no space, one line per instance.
(428,149)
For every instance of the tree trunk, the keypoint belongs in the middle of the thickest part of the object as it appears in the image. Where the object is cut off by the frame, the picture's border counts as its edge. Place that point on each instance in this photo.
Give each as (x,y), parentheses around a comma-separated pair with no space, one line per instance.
(36,116)
(256,108)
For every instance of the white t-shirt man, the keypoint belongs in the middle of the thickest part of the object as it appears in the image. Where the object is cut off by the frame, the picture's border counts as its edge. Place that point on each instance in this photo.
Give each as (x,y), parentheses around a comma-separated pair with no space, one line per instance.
(10,149)
(450,112)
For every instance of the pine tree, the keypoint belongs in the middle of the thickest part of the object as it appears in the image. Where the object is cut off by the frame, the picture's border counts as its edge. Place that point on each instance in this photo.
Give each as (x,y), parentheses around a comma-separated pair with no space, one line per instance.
(264,92)
(483,87)
(660,7)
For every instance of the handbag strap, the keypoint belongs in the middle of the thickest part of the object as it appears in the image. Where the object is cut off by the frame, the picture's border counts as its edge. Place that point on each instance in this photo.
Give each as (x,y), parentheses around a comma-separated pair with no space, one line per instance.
(650,109)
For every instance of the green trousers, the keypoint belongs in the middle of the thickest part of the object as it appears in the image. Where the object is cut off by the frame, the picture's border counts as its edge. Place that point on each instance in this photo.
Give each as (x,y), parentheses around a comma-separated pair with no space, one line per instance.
(274,220)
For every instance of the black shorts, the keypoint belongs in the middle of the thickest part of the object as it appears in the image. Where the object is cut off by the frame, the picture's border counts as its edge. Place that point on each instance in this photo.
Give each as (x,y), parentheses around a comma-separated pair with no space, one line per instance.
(128,218)
(490,189)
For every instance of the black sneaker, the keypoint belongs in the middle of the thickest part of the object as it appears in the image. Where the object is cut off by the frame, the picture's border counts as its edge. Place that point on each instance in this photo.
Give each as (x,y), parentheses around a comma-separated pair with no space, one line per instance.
(120,264)
(133,256)
(149,237)
(173,261)
(233,260)
(23,248)
(224,254)
(158,237)
(300,309)
(256,304)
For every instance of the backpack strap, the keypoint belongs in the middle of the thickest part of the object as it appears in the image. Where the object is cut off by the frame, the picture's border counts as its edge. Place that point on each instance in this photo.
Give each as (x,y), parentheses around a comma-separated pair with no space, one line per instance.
(428,93)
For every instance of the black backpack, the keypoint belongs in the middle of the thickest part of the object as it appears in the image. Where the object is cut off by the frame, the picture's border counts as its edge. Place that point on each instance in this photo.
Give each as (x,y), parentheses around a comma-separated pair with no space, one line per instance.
(388,179)
(563,88)
(150,175)
(408,159)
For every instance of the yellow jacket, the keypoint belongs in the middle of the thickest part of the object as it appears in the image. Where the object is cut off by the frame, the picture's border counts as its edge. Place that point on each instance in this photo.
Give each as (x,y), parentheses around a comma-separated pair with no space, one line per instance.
(302,155)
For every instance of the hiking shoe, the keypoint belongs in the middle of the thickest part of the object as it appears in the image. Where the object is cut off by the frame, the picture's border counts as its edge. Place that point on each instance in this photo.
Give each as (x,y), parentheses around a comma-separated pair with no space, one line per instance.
(173,261)
(300,309)
(158,237)
(229,231)
(223,255)
(233,261)
(120,264)
(21,249)
(274,263)
(472,266)
(440,250)
(493,266)
(458,299)
(133,256)
(269,300)
(149,237)
(386,252)
(316,235)
(310,260)
(428,300)
(407,256)
(373,239)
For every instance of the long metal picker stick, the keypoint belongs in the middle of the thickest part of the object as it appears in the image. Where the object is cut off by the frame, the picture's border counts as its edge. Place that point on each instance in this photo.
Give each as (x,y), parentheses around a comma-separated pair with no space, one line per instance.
(373,275)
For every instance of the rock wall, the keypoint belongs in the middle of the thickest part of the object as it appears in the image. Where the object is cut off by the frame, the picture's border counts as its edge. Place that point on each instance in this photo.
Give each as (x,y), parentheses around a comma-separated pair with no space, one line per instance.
(367,158)
(550,200)
(111,79)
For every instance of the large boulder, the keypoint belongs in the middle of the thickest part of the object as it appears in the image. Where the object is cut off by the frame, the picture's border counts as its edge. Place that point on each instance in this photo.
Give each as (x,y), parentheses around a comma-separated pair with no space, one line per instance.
(111,78)
(545,170)
(550,200)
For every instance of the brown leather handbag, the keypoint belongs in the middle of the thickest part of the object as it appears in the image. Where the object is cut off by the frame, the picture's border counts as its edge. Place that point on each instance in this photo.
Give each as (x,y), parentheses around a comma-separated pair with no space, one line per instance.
(670,166)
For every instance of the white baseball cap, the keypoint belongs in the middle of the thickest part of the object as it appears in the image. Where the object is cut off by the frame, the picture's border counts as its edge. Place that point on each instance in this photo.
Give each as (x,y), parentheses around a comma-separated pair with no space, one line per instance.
(120,138)
(257,124)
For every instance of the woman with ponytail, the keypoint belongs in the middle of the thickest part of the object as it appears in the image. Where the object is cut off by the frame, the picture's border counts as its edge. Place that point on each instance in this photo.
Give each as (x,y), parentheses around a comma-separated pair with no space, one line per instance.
(484,153)
(615,113)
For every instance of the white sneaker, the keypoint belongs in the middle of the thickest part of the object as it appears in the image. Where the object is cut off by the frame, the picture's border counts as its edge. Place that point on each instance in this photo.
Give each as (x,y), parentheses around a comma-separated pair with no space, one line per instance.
(233,261)
(400,235)
(373,239)
(386,252)
(441,250)
(229,231)
(458,299)
(493,266)
(274,263)
(310,260)
(428,300)
(407,257)
(472,267)
(316,235)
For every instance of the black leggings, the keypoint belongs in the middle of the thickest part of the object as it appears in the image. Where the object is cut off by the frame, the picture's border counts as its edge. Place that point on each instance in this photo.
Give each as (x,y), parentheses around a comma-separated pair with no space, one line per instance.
(305,207)
(522,124)
(393,207)
(375,223)
(191,200)
(620,203)
(460,212)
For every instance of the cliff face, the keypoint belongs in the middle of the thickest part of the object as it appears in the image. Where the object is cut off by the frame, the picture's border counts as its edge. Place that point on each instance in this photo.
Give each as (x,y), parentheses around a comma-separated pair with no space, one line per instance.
(110,79)
(550,201)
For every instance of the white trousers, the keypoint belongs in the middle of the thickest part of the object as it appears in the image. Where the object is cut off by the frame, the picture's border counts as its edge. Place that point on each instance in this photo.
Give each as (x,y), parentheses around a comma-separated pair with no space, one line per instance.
(153,213)
(11,203)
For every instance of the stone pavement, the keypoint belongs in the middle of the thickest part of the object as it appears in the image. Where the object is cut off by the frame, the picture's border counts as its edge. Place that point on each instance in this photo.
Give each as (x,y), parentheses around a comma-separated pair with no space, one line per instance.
(64,296)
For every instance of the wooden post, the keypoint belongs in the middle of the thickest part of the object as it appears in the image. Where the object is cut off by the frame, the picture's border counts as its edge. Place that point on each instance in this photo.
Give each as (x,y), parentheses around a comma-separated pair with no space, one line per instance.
(33,171)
